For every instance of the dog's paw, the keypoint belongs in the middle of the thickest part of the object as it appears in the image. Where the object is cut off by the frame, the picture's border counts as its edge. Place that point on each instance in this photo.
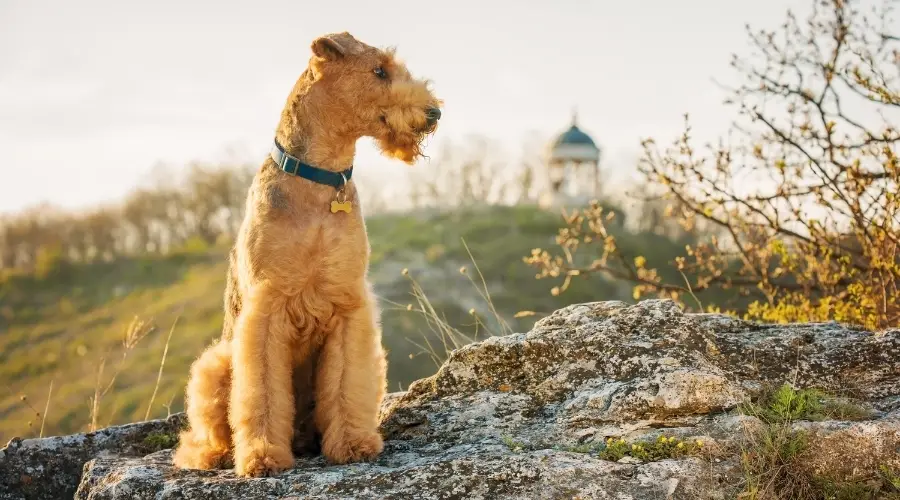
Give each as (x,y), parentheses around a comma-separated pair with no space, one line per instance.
(262,461)
(353,448)
(201,457)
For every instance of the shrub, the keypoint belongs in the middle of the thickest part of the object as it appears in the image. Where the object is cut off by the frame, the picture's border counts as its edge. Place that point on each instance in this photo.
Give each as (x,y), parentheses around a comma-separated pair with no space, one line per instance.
(801,209)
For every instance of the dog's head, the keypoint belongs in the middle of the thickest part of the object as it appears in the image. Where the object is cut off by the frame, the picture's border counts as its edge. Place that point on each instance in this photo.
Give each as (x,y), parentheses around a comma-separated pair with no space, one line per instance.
(366,91)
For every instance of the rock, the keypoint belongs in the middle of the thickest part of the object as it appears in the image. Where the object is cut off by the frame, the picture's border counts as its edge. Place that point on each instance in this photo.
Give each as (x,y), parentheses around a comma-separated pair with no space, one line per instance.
(523,416)
(592,371)
(459,472)
(845,450)
(50,468)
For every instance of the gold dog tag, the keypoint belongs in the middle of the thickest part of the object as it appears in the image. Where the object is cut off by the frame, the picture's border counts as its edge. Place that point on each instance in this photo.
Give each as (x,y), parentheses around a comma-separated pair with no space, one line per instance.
(340,203)
(340,206)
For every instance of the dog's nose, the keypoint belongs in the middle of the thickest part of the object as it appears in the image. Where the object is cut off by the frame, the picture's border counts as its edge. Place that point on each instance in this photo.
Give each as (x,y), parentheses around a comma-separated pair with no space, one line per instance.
(433,114)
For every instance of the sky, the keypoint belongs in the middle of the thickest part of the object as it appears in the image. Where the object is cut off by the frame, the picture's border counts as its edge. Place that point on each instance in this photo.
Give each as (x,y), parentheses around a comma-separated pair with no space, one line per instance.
(94,93)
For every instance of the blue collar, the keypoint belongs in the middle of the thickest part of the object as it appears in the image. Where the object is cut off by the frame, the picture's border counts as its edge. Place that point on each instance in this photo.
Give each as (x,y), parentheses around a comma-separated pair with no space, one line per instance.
(296,167)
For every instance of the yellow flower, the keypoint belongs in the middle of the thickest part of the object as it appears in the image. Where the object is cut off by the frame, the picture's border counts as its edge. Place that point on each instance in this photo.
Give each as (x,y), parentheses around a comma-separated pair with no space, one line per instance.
(699,443)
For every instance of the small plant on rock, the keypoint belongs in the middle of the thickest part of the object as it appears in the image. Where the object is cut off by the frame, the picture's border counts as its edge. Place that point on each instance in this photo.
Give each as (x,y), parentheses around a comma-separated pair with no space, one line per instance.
(160,440)
(662,448)
(512,444)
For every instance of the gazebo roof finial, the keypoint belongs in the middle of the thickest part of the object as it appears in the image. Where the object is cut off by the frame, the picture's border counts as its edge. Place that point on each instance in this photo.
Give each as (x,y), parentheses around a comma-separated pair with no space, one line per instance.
(574,116)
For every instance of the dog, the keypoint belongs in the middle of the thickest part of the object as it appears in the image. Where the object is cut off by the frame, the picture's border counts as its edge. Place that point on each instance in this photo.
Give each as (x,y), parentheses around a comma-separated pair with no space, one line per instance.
(300,358)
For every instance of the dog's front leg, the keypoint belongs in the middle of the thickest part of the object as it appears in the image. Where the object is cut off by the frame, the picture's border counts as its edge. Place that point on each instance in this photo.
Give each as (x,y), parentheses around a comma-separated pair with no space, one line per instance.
(262,399)
(350,384)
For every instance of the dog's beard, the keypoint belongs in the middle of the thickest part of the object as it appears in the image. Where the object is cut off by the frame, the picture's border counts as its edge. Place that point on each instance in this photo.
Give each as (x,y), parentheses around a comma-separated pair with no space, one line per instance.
(405,147)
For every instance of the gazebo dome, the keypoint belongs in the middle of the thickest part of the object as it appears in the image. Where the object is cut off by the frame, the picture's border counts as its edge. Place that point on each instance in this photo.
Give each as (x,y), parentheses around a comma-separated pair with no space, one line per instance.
(574,145)
(574,136)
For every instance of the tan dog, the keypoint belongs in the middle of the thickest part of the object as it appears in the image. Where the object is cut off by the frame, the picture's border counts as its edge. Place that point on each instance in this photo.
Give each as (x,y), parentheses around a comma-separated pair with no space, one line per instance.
(301,323)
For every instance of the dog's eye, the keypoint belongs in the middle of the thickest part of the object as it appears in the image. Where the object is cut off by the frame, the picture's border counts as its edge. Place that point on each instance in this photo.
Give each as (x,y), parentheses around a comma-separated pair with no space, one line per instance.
(381,73)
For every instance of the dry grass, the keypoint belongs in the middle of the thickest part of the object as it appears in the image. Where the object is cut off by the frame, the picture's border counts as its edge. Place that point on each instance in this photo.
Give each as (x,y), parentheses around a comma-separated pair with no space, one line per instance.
(449,336)
(24,399)
(46,409)
(136,331)
(162,363)
(483,291)
(771,465)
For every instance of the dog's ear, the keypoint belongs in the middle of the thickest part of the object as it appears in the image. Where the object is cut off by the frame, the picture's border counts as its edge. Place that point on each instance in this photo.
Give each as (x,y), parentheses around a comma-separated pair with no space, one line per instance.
(326,47)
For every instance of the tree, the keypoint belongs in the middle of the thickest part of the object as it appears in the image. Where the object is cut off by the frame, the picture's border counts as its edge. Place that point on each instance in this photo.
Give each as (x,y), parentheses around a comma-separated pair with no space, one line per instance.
(805,199)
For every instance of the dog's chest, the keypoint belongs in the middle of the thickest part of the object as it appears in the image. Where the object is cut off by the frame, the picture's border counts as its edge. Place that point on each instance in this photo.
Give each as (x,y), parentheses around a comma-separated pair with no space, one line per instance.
(330,282)
(345,253)
(329,256)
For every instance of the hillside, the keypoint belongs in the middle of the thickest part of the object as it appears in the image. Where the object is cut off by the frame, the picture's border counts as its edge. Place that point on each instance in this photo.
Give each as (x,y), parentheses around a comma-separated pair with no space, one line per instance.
(60,328)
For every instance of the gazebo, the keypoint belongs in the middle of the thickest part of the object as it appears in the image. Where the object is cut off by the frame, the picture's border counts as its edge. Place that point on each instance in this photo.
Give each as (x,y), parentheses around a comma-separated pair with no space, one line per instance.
(573,165)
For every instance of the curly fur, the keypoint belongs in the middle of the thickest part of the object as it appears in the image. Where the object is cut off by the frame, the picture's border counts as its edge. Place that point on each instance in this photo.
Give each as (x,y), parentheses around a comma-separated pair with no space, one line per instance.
(300,359)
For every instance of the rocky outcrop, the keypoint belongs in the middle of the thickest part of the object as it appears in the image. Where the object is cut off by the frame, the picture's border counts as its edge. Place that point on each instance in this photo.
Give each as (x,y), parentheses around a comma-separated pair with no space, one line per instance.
(50,468)
(525,415)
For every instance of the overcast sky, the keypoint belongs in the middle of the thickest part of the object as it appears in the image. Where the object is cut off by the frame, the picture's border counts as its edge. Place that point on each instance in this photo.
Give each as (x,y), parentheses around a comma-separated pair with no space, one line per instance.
(94,93)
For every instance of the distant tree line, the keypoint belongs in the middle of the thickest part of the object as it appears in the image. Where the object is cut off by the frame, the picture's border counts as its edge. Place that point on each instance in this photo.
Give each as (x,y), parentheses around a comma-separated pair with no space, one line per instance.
(206,204)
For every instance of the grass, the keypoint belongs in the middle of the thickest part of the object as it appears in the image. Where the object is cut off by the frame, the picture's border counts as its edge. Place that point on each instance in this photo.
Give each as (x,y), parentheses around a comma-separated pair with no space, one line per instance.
(775,456)
(771,464)
(162,364)
(451,337)
(136,331)
(65,331)
(891,476)
(27,404)
(46,409)
(786,404)
(65,327)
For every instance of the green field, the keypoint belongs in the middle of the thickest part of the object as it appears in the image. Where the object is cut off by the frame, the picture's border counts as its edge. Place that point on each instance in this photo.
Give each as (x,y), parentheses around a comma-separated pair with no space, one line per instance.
(59,328)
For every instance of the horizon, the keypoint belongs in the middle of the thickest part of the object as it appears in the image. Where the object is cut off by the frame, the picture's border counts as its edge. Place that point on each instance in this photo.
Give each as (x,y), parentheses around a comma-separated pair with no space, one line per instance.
(102,98)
